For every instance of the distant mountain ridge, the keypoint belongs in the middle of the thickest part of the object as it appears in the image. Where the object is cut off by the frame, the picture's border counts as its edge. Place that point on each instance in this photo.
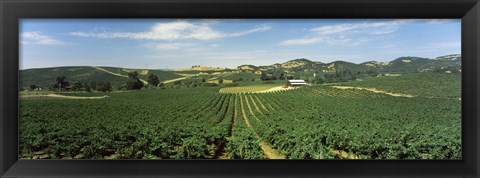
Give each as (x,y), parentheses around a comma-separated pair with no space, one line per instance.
(451,57)
(401,64)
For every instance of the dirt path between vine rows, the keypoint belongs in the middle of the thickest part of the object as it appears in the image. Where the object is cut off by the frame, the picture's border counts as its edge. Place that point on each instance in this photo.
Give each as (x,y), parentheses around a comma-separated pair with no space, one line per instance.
(269,152)
(375,91)
(255,105)
(274,153)
(250,108)
(344,154)
(220,153)
(234,117)
(263,106)
(222,103)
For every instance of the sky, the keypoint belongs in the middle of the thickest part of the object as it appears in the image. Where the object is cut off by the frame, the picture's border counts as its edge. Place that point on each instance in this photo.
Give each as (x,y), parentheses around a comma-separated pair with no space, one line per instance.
(182,43)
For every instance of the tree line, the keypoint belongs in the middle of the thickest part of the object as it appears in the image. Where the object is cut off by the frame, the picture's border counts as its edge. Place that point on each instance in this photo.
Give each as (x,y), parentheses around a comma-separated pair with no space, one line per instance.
(319,77)
(132,83)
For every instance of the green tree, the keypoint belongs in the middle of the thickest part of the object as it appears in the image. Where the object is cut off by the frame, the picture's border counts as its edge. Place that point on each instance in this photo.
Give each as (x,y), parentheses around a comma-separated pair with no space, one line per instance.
(178,82)
(153,80)
(133,74)
(107,87)
(278,75)
(318,79)
(133,82)
(93,85)
(33,87)
(220,80)
(62,83)
(87,87)
(161,86)
(77,86)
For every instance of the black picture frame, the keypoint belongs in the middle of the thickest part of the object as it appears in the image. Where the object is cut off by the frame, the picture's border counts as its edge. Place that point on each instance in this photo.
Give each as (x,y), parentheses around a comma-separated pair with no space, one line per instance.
(13,10)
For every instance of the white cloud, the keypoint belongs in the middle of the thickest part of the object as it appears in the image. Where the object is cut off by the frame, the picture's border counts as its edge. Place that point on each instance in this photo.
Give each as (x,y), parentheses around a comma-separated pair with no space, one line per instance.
(162,31)
(177,30)
(442,21)
(260,28)
(347,34)
(382,31)
(300,41)
(452,44)
(38,38)
(330,29)
(168,46)
(359,27)
(343,41)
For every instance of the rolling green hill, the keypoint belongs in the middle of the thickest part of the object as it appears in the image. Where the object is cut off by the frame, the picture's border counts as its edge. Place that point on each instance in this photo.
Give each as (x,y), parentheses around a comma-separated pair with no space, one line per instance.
(45,77)
(343,65)
(298,68)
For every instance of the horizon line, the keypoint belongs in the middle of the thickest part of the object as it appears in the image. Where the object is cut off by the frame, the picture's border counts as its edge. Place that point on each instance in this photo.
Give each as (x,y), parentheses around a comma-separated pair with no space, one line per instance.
(169,69)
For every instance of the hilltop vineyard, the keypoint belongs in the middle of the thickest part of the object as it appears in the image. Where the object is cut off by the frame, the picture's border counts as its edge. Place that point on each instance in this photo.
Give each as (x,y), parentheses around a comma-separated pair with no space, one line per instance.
(313,122)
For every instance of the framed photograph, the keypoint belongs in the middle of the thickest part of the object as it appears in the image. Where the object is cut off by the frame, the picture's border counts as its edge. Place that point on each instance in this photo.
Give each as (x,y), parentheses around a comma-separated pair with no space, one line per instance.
(239,88)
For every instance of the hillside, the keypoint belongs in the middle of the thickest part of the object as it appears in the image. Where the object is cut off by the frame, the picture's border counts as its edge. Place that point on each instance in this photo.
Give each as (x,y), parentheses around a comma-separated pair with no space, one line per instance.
(248,67)
(451,57)
(401,64)
(297,68)
(201,68)
(302,67)
(426,84)
(45,77)
(342,65)
(239,76)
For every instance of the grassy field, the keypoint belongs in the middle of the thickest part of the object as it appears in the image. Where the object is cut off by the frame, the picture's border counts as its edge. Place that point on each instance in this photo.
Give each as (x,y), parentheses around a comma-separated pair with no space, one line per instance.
(316,122)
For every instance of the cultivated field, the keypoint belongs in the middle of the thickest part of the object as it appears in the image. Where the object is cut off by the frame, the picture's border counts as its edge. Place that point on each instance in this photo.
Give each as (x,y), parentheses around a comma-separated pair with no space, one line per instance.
(242,122)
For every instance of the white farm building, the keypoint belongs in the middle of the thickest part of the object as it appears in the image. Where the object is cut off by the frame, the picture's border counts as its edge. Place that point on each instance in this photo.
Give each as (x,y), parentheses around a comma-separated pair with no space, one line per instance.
(295,83)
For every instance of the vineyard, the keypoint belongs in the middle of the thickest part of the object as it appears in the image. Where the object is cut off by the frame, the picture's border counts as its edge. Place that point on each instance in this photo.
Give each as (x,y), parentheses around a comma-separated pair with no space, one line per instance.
(316,122)
(265,88)
(430,85)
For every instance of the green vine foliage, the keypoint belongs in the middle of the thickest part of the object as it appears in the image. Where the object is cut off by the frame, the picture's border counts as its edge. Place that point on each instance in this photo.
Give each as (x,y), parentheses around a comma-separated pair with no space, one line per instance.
(316,122)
